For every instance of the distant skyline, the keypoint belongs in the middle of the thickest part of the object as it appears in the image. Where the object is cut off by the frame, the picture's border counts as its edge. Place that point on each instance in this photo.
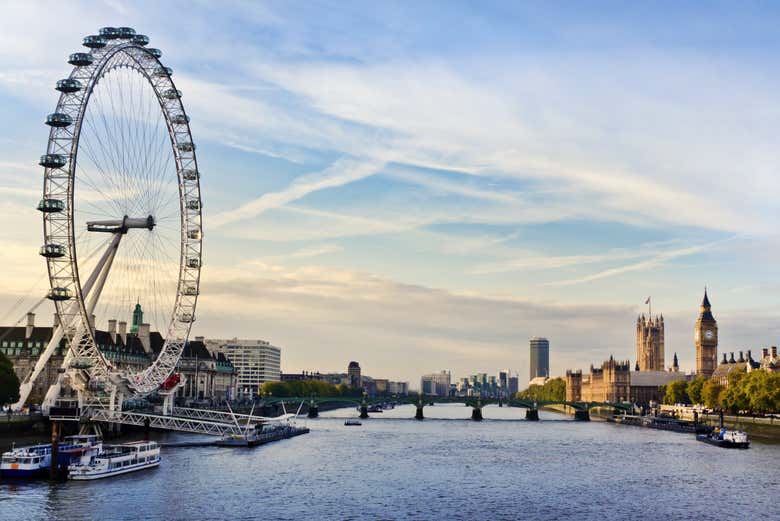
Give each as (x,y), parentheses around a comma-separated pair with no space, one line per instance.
(426,186)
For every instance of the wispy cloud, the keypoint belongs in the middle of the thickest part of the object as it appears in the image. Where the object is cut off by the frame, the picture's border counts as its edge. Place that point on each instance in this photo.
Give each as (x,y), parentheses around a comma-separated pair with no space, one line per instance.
(306,253)
(341,172)
(652,262)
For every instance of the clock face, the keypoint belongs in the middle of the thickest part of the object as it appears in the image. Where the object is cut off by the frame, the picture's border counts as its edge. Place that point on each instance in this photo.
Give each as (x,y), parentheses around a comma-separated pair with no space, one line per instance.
(709,335)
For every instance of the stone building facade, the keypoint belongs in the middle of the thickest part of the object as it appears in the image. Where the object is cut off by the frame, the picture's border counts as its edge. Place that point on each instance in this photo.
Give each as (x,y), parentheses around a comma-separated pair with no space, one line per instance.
(615,382)
(650,343)
(573,385)
(608,383)
(126,350)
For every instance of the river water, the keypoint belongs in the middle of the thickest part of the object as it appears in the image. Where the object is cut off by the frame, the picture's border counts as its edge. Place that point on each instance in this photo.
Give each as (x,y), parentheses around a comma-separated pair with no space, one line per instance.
(446,467)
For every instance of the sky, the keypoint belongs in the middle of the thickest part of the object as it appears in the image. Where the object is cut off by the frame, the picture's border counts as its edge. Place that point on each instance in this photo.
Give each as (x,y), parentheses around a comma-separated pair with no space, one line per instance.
(422,186)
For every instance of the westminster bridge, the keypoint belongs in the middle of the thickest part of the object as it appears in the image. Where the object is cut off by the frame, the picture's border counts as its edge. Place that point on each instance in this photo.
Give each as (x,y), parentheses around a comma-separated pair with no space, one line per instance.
(581,410)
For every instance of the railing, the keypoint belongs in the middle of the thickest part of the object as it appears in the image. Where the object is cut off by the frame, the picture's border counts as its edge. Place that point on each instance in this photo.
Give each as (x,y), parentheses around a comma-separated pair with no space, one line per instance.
(221,416)
(158,421)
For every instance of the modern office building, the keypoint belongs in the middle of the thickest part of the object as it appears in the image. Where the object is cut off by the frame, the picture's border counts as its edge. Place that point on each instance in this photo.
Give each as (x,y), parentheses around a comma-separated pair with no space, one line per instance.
(399,388)
(255,361)
(540,358)
(436,384)
(353,371)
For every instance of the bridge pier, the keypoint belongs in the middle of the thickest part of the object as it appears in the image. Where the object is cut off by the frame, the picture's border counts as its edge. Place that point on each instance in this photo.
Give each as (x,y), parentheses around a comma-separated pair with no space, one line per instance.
(55,449)
(363,411)
(476,411)
(532,415)
(582,415)
(314,410)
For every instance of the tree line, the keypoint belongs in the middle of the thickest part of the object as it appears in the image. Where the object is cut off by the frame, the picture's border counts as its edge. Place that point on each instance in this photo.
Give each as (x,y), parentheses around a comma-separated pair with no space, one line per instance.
(553,390)
(754,392)
(304,388)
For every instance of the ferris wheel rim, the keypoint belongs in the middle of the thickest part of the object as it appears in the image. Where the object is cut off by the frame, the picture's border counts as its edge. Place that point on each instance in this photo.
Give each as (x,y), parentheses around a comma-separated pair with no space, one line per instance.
(58,178)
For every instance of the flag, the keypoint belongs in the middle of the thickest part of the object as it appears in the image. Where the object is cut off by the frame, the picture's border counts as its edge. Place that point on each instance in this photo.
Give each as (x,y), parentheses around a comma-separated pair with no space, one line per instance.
(647,301)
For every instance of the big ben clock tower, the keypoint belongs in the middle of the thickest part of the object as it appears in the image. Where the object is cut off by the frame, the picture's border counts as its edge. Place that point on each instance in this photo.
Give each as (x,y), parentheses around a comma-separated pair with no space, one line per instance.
(706,333)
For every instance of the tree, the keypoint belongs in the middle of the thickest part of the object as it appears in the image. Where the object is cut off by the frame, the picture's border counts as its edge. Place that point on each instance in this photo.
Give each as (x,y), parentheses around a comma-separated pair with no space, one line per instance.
(710,394)
(553,390)
(9,382)
(694,389)
(676,392)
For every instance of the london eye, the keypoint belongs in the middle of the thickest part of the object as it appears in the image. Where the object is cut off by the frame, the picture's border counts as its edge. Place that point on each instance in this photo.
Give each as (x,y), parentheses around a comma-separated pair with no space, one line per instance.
(121,207)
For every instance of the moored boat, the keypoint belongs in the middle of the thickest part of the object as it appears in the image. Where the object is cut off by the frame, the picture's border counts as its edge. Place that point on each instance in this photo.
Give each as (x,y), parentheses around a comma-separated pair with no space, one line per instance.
(114,460)
(261,434)
(35,460)
(352,423)
(726,439)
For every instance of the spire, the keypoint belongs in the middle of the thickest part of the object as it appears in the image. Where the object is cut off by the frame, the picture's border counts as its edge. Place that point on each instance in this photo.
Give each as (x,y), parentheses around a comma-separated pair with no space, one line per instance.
(675,363)
(138,318)
(705,311)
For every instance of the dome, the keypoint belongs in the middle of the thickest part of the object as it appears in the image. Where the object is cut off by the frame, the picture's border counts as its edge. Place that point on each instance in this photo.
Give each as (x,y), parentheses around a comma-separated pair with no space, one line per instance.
(353,365)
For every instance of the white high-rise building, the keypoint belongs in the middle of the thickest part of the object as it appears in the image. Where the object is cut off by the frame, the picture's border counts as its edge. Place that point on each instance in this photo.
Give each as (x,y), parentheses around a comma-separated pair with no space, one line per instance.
(436,384)
(255,361)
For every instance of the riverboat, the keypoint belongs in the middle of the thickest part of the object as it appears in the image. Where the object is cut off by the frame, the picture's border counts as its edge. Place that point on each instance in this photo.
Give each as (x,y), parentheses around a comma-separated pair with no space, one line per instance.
(663,423)
(35,460)
(261,434)
(114,460)
(726,439)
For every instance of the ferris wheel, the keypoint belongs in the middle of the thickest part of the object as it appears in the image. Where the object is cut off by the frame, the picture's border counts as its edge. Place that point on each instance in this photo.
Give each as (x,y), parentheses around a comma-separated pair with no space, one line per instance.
(121,206)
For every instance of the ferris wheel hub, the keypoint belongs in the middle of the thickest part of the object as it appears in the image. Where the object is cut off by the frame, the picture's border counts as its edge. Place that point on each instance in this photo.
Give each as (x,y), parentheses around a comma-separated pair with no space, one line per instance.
(121,225)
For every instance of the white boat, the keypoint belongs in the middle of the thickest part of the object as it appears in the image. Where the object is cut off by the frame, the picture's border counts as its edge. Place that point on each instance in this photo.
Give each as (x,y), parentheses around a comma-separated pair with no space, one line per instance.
(114,460)
(35,460)
(726,439)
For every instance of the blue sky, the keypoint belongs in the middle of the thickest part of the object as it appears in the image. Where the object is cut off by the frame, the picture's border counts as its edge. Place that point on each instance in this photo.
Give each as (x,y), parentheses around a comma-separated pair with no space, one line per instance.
(426,185)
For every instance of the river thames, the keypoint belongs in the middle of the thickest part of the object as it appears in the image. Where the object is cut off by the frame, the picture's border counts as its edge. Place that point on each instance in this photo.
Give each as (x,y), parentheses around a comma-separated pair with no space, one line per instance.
(446,467)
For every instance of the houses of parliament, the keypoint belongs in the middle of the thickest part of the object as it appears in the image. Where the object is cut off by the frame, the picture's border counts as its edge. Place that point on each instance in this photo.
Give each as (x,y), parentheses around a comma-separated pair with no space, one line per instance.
(614,381)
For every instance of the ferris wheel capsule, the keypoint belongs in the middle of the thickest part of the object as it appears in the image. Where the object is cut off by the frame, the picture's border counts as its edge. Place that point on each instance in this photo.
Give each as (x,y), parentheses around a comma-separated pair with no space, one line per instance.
(52,250)
(171,94)
(80,59)
(59,294)
(94,41)
(125,32)
(68,86)
(59,120)
(53,160)
(51,205)
(109,33)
